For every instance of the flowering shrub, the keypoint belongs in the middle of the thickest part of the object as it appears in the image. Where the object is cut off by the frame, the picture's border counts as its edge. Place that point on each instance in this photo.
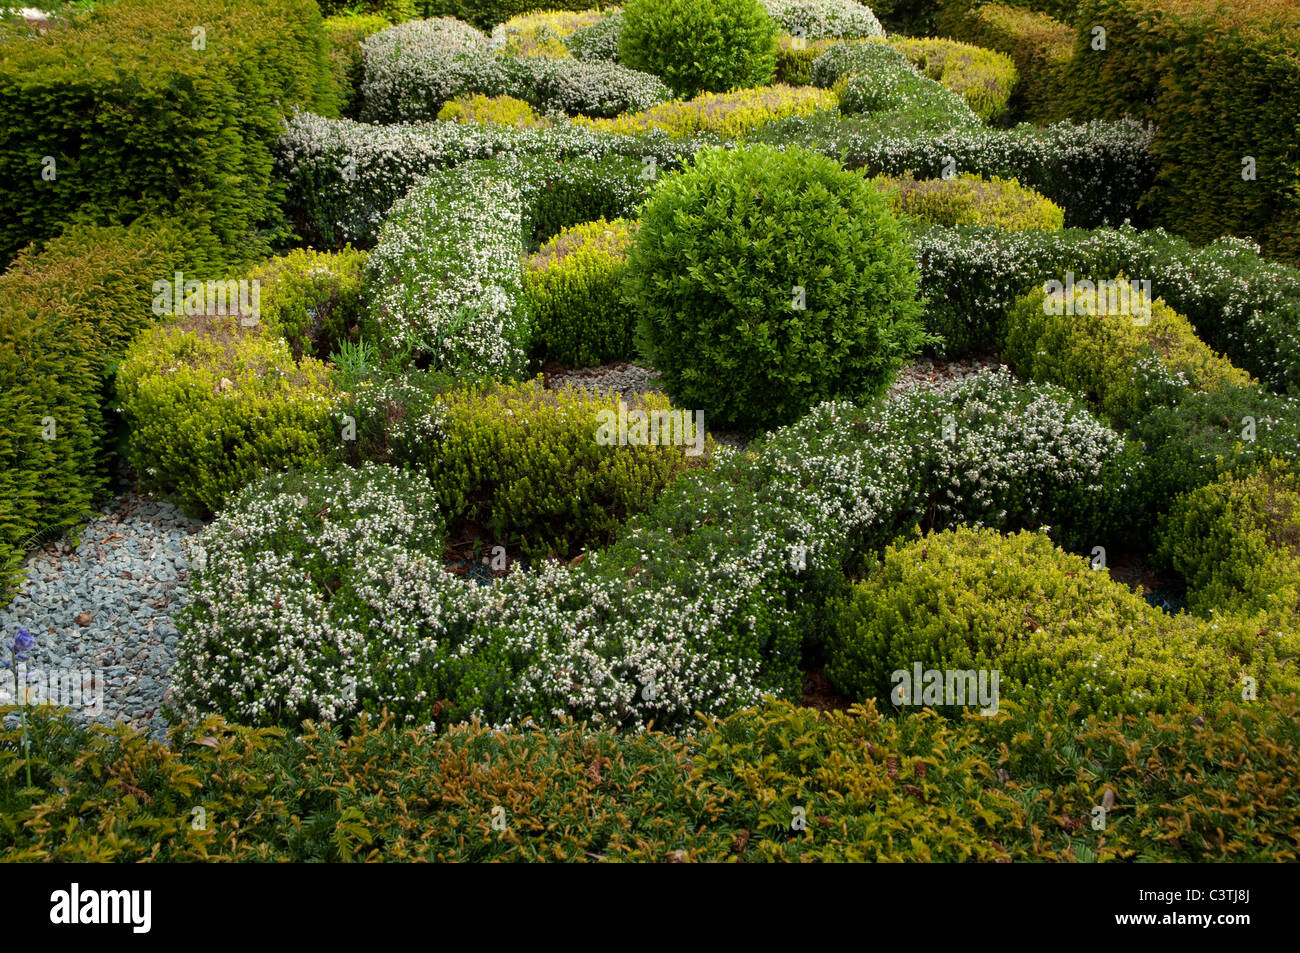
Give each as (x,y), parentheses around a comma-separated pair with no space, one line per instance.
(574,288)
(543,32)
(344,176)
(445,276)
(823,19)
(702,604)
(795,57)
(1054,629)
(599,41)
(212,405)
(699,46)
(765,282)
(583,87)
(411,69)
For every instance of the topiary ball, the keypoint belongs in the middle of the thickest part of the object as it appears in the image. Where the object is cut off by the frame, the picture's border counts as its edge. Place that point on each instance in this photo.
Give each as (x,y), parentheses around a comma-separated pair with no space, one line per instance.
(765,282)
(698,46)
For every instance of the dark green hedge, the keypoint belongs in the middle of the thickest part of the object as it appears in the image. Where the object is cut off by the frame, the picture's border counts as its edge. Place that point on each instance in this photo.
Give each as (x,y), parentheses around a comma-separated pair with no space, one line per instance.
(137,119)
(66,316)
(1222,82)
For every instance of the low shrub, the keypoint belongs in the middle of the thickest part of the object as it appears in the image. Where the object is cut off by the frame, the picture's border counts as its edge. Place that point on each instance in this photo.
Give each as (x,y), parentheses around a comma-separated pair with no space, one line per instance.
(583,87)
(543,32)
(411,69)
(1237,543)
(972,200)
(528,465)
(445,278)
(899,88)
(599,41)
(390,11)
(493,110)
(312,299)
(486,14)
(345,34)
(1241,305)
(983,77)
(574,288)
(795,57)
(825,19)
(1126,354)
(211,405)
(766,281)
(1052,628)
(698,46)
(733,115)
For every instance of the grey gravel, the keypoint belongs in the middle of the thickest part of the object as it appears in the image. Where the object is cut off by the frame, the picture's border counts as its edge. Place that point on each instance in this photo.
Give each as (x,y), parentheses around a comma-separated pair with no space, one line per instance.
(102,607)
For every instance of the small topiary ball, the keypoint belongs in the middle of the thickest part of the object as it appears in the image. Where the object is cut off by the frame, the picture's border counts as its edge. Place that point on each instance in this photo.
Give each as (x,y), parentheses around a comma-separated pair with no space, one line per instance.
(766,282)
(698,46)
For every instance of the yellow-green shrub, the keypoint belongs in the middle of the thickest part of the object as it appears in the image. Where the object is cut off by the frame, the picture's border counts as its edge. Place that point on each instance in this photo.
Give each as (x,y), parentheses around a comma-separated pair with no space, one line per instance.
(344,34)
(1052,627)
(212,404)
(794,58)
(573,286)
(1237,543)
(972,200)
(727,114)
(524,462)
(492,110)
(542,32)
(984,78)
(312,299)
(1124,366)
(1040,46)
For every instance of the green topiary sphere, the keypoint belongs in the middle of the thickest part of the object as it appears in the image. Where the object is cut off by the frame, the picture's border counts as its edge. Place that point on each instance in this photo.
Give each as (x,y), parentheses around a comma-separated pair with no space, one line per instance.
(765,282)
(698,46)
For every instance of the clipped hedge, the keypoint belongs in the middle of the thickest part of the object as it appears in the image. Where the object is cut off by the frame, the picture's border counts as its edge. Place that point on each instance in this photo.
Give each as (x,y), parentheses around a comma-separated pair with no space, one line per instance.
(1014,787)
(486,14)
(67,314)
(312,299)
(1052,628)
(1237,543)
(1124,351)
(971,200)
(825,19)
(135,118)
(574,289)
(1222,83)
(212,405)
(1241,305)
(983,77)
(543,32)
(795,57)
(733,114)
(345,34)
(492,110)
(1041,48)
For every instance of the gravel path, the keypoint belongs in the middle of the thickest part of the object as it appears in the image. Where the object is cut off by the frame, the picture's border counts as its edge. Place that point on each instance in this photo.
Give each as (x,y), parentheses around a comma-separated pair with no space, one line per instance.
(106,606)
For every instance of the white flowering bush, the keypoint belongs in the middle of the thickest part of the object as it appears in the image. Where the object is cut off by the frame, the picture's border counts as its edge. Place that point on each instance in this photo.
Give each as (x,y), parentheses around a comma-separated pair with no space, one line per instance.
(343,176)
(411,69)
(583,88)
(825,19)
(446,277)
(598,41)
(705,603)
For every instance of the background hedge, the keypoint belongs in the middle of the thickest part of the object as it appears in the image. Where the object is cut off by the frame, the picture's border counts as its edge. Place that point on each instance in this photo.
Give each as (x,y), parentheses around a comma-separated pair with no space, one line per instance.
(136,119)
(1222,81)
